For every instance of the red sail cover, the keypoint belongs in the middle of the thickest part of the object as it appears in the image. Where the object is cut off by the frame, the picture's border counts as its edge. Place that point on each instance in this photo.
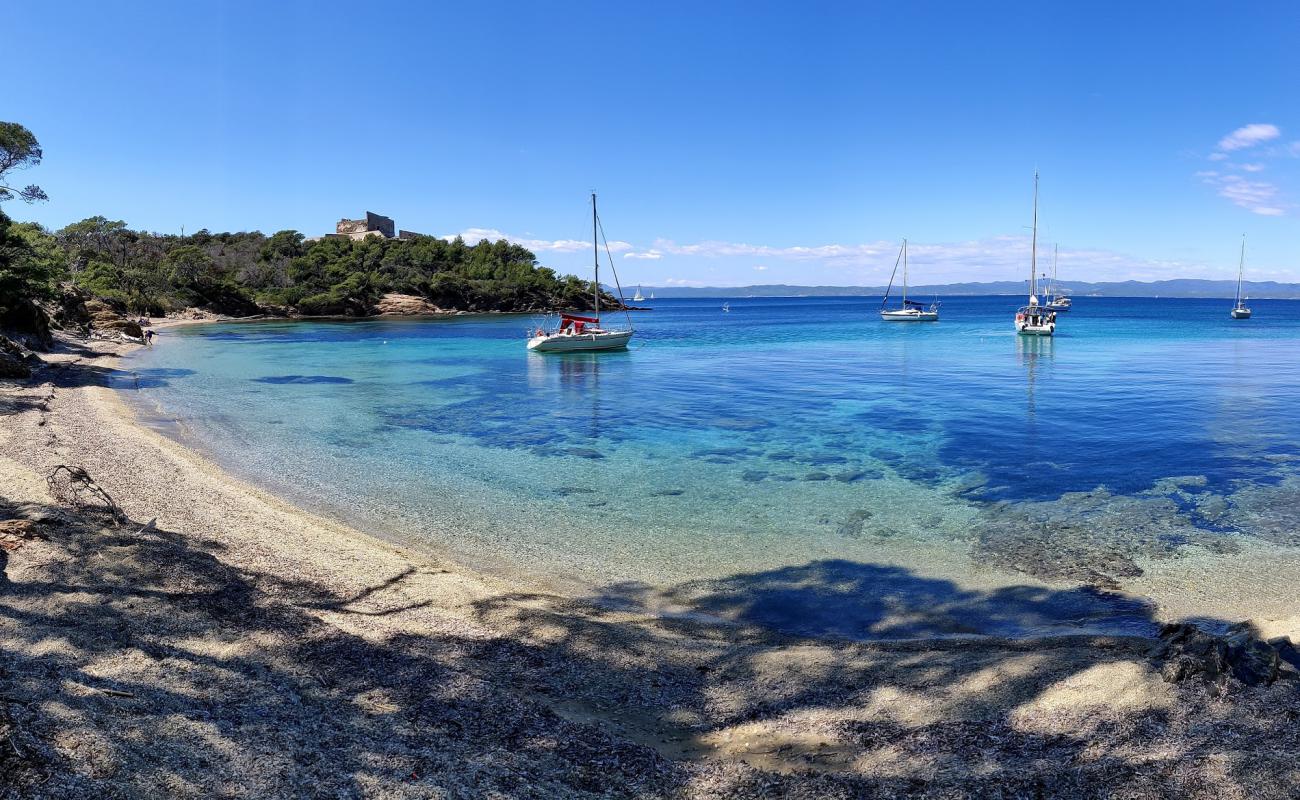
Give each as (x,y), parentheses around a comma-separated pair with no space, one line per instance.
(576,318)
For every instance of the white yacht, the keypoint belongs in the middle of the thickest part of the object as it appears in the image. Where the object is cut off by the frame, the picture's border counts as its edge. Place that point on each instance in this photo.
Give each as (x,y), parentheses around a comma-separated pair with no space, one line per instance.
(910,310)
(637,297)
(580,332)
(1035,319)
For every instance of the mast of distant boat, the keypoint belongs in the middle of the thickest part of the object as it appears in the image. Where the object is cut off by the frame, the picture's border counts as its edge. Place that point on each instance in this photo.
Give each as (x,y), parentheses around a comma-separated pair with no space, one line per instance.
(1033,250)
(1055,287)
(595,252)
(1241,268)
(904,273)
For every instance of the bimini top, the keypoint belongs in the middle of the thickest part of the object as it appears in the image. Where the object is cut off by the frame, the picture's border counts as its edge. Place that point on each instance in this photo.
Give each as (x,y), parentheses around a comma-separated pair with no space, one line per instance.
(576,322)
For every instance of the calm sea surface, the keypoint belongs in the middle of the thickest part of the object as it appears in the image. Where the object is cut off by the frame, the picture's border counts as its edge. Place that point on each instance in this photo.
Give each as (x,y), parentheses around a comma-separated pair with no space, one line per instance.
(796,461)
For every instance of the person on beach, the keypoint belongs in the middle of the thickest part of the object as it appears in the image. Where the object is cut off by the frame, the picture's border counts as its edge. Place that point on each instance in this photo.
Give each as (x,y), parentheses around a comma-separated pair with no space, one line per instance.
(148,338)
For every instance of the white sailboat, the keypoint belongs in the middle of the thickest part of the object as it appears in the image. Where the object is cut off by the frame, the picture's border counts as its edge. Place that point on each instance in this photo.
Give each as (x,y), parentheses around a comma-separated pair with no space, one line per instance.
(1241,310)
(1055,300)
(1035,319)
(910,311)
(637,297)
(579,333)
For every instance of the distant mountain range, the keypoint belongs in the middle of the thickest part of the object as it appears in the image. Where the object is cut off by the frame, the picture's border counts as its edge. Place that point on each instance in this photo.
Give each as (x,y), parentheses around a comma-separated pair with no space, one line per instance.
(1179,287)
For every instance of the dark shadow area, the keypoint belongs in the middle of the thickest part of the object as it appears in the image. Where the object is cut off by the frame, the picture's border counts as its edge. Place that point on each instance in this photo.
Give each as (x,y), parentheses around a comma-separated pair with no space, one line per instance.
(852,600)
(137,662)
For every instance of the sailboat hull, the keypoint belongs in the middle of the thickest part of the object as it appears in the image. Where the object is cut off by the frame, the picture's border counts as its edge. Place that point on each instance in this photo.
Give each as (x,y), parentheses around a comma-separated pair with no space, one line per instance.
(1241,313)
(909,315)
(580,342)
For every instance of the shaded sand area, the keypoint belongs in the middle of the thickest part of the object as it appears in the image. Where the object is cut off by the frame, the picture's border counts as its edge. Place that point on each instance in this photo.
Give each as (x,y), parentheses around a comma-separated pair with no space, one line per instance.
(215,641)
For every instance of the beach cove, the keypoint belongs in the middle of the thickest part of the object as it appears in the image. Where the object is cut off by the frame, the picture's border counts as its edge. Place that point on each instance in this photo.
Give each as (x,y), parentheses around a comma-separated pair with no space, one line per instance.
(241,641)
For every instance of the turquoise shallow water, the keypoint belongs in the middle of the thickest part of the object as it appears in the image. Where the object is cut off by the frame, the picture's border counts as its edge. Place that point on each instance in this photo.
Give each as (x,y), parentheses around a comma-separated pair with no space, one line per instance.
(730,461)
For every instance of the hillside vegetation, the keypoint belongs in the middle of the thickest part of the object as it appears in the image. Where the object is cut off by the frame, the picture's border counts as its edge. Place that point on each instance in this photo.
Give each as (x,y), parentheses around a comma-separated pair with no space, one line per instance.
(139,272)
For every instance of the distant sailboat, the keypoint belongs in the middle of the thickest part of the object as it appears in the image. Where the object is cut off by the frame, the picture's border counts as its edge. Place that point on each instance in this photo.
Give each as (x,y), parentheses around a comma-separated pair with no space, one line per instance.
(726,308)
(1034,319)
(652,294)
(1055,300)
(910,310)
(637,297)
(1240,310)
(581,333)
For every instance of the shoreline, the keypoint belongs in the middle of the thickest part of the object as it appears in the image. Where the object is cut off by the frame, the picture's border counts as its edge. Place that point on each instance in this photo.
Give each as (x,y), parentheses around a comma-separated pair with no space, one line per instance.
(1177,587)
(254,645)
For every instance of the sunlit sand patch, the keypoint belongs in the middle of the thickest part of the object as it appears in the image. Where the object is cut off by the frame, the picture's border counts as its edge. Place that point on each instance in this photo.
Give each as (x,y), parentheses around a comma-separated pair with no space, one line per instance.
(1125,686)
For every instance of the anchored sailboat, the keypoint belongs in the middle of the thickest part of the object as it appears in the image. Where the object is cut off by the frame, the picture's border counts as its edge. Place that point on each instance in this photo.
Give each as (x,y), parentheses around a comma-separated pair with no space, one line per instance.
(1240,310)
(910,310)
(1034,319)
(582,333)
(1055,300)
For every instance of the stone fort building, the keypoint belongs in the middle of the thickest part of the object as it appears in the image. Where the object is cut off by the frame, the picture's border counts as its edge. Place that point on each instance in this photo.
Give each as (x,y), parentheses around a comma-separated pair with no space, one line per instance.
(371,225)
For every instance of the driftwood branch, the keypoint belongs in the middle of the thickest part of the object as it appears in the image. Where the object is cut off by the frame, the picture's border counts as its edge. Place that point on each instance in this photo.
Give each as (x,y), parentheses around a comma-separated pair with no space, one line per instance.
(73,486)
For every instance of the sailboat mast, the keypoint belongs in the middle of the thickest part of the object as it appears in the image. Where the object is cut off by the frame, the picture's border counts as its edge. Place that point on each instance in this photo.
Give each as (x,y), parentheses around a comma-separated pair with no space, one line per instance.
(595,254)
(904,273)
(1241,267)
(1033,247)
(1056,252)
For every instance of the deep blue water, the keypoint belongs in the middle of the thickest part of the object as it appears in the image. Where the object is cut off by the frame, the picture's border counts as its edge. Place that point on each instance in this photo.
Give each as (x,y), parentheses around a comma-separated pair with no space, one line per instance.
(785,432)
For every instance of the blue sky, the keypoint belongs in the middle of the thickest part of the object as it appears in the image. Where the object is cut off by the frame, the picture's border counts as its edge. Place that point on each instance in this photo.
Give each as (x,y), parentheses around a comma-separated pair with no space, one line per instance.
(730,143)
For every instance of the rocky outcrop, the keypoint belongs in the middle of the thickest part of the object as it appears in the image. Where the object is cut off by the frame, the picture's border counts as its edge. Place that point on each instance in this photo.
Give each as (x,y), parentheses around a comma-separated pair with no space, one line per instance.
(1186,652)
(107,318)
(15,360)
(27,323)
(405,305)
(194,313)
(68,309)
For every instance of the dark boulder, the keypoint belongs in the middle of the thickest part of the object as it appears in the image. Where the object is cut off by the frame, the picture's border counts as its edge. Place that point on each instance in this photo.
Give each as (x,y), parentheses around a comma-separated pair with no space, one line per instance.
(15,360)
(1186,652)
(27,323)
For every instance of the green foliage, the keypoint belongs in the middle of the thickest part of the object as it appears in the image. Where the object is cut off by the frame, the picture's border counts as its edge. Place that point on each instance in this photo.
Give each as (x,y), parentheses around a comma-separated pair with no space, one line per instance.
(23,275)
(235,273)
(18,150)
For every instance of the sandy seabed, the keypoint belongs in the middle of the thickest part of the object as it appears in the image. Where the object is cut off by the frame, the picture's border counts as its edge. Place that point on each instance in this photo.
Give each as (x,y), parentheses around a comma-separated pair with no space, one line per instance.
(241,647)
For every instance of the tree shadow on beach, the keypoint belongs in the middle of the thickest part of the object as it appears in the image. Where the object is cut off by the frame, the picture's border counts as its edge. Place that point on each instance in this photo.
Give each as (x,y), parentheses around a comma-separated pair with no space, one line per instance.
(138,662)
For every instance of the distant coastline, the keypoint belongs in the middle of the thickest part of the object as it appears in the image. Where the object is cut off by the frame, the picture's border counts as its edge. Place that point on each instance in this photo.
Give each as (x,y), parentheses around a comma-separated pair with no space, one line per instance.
(1178,287)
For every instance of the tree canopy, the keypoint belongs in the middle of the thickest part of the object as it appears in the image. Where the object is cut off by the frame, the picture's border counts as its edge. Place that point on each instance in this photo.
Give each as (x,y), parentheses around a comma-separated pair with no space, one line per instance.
(245,273)
(18,150)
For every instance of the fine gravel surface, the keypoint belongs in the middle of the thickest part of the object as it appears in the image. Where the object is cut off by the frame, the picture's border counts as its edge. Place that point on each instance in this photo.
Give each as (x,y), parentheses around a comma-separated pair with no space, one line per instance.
(169,631)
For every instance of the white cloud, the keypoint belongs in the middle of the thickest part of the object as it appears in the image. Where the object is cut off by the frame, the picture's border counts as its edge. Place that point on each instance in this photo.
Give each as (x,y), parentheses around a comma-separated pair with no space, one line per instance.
(1253,167)
(1258,197)
(1249,136)
(1218,156)
(648,255)
(475,235)
(714,249)
(994,258)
